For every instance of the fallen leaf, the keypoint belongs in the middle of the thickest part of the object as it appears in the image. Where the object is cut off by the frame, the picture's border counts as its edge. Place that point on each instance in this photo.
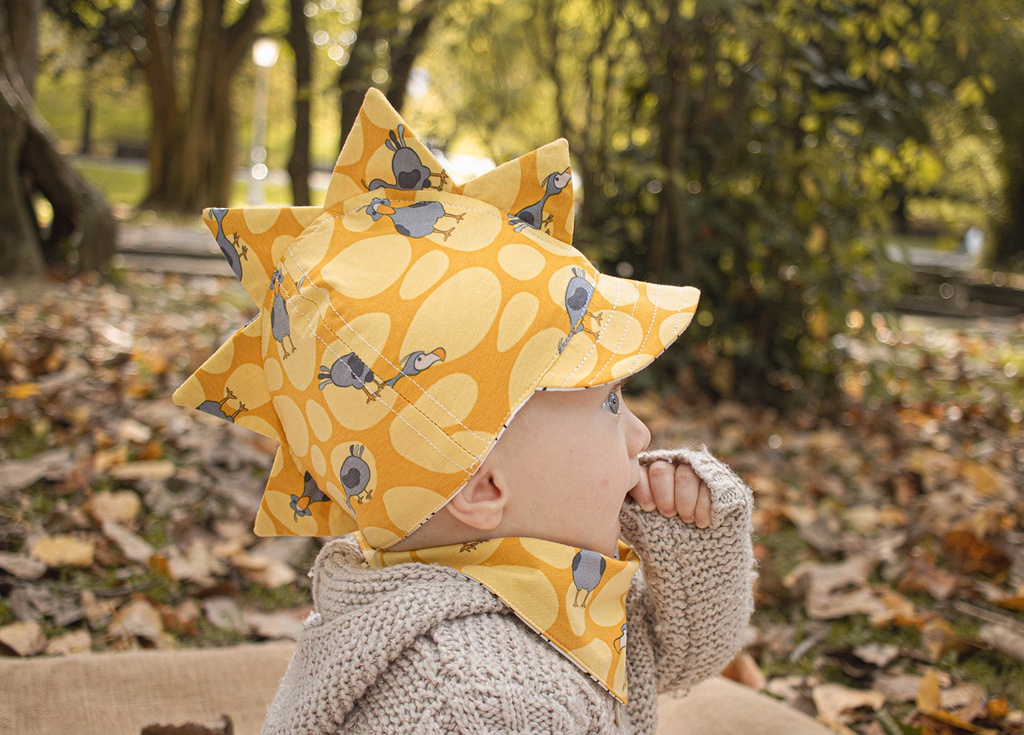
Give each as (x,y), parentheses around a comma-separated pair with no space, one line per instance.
(24,638)
(121,507)
(281,625)
(21,391)
(139,619)
(63,551)
(97,611)
(898,687)
(131,430)
(191,728)
(938,637)
(152,469)
(973,555)
(264,570)
(78,641)
(134,547)
(876,653)
(929,693)
(1004,639)
(224,612)
(744,670)
(837,590)
(19,474)
(21,566)
(836,703)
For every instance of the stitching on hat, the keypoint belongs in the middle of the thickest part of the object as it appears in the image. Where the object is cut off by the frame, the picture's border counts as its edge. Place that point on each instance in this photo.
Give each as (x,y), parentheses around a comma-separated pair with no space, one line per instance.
(622,336)
(657,288)
(618,289)
(327,347)
(385,359)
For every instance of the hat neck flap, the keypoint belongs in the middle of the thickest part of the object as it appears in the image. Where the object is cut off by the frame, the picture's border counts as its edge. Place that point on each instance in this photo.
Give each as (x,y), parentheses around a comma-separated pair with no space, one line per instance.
(573,598)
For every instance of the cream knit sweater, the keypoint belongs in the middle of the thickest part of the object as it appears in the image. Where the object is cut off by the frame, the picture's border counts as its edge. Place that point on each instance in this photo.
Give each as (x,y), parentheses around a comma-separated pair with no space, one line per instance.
(423,649)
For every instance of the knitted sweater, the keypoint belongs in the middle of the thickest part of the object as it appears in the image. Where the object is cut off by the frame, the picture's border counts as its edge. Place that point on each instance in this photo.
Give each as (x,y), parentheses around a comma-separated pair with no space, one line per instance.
(423,649)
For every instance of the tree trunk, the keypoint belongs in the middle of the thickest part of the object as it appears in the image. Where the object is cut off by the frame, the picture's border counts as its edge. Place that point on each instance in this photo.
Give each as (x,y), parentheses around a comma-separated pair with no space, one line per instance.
(298,162)
(20,251)
(377,22)
(405,51)
(192,159)
(82,234)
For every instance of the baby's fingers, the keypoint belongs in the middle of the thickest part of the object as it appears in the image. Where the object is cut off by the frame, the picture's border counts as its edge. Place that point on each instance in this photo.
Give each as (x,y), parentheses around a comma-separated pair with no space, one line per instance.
(687,491)
(641,492)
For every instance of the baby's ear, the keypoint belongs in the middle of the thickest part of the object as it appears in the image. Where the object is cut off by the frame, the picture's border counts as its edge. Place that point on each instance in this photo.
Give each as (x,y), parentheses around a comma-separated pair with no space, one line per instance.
(481,501)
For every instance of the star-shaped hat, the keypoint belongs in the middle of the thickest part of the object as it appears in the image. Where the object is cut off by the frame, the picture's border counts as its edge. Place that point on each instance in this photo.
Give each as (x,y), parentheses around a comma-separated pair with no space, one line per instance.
(402,324)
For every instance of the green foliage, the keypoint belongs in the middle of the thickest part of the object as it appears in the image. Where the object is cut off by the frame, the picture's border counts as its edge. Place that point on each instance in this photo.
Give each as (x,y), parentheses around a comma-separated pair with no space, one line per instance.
(756,150)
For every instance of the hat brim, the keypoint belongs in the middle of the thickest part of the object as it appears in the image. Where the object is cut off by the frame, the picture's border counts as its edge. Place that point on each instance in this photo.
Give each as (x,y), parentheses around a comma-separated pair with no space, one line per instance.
(624,326)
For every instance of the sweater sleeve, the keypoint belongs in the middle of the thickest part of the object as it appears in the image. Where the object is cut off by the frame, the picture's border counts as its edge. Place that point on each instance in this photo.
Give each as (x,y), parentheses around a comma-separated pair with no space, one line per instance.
(696,585)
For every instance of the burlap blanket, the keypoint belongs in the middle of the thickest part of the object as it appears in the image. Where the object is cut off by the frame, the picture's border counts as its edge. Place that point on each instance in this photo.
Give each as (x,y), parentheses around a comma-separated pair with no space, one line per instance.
(121,693)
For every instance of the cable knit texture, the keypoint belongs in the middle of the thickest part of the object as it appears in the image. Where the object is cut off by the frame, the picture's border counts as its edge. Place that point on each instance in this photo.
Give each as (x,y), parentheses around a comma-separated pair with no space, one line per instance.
(423,649)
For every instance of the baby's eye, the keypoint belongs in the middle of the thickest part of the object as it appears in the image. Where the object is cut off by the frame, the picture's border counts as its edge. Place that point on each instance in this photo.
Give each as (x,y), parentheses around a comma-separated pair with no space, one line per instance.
(612,402)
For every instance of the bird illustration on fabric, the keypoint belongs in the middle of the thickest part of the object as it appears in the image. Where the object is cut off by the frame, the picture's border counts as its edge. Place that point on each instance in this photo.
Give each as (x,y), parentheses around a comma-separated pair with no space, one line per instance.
(533,215)
(280,324)
(416,362)
(578,294)
(311,493)
(469,546)
(410,173)
(231,249)
(216,408)
(587,570)
(355,477)
(348,371)
(414,220)
(620,642)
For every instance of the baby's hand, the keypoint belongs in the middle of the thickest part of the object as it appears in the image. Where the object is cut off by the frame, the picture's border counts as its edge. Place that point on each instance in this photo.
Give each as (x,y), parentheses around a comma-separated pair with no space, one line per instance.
(674,490)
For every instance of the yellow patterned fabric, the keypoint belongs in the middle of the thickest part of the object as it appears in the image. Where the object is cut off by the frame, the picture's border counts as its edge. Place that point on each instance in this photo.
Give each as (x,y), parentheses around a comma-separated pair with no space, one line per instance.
(402,324)
(575,598)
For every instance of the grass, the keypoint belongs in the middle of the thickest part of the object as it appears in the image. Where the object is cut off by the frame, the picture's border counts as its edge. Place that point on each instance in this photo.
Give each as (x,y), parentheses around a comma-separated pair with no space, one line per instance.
(125,185)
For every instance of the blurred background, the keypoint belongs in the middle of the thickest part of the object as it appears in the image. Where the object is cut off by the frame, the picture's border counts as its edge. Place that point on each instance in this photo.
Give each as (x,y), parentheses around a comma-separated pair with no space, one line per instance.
(844,181)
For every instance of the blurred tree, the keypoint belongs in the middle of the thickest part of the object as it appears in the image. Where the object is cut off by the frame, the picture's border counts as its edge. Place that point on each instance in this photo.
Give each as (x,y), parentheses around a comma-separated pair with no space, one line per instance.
(81,234)
(755,148)
(298,162)
(192,138)
(388,40)
(1004,103)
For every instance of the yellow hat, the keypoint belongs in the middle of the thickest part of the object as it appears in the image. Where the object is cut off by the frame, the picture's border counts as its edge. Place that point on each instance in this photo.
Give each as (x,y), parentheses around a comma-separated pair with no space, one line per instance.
(403,324)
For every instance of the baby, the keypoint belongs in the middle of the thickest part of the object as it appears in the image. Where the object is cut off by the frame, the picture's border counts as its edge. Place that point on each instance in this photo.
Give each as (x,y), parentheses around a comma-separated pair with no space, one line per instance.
(444,372)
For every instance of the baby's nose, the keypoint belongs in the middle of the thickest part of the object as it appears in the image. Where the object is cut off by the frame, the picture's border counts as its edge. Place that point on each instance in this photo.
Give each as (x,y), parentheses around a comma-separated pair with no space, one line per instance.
(638,437)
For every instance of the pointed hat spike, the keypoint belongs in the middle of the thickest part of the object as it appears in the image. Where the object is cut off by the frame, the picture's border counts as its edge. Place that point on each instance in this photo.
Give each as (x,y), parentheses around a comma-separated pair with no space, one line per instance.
(542,177)
(382,152)
(231,385)
(253,239)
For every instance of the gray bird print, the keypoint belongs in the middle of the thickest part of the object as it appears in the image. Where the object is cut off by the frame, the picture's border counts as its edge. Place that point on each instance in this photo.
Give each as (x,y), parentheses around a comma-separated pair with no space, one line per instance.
(578,294)
(280,325)
(414,220)
(587,570)
(410,173)
(620,642)
(348,371)
(416,362)
(355,476)
(533,215)
(311,493)
(231,249)
(216,408)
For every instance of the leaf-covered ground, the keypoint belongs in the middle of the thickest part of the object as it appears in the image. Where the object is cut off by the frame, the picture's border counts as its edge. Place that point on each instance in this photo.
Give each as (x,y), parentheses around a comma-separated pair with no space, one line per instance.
(890,537)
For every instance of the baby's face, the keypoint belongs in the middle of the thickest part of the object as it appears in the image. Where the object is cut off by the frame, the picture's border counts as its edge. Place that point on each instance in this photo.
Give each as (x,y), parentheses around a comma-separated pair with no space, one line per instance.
(571,458)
